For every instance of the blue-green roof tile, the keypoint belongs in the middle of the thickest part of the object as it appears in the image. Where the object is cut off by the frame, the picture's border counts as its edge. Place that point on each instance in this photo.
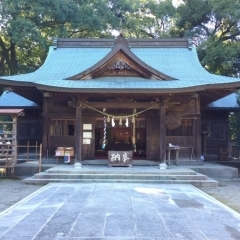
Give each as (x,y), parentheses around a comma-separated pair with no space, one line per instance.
(179,63)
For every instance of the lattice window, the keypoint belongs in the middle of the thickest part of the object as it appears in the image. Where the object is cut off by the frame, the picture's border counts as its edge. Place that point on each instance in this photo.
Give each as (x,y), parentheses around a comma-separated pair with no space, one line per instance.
(180,141)
(217,131)
(62,128)
(185,142)
(186,129)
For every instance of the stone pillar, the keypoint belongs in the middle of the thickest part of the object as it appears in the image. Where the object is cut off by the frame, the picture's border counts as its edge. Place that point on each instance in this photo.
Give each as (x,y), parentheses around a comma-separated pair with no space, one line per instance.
(78,137)
(162,138)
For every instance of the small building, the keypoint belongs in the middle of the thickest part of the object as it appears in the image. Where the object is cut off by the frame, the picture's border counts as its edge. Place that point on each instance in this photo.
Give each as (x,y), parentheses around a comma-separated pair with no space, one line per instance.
(20,124)
(122,94)
(215,128)
(29,121)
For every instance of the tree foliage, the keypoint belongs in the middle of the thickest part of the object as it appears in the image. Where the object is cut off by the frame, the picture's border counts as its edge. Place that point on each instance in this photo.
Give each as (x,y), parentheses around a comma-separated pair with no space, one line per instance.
(150,19)
(217,25)
(28,27)
(235,123)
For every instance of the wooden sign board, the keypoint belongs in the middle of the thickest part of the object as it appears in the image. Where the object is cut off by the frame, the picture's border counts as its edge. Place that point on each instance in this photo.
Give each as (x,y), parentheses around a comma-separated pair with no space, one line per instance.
(120,158)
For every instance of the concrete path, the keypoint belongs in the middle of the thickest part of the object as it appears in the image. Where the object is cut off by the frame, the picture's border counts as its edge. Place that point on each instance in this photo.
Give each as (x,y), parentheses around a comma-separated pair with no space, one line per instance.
(119,211)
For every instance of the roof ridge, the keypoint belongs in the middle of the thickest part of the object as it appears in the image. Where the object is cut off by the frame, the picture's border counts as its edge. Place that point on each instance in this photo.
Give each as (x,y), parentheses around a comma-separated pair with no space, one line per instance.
(133,43)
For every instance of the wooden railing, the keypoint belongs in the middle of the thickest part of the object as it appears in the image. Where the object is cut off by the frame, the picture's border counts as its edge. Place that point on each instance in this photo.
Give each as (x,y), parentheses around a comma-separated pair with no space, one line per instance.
(30,153)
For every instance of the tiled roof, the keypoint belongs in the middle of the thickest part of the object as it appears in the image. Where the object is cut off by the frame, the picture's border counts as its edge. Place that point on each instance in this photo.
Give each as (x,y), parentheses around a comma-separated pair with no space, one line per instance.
(13,100)
(229,102)
(179,63)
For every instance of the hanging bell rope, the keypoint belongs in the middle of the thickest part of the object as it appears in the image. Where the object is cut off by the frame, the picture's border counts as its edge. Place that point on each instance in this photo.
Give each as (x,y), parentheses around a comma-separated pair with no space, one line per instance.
(134,131)
(104,133)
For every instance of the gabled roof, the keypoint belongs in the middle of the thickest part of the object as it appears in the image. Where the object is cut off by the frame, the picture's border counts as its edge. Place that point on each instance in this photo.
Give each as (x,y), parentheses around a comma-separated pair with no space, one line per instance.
(13,100)
(120,57)
(74,65)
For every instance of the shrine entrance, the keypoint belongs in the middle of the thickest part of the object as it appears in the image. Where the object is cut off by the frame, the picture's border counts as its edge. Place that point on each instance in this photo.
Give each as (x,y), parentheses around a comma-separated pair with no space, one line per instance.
(124,136)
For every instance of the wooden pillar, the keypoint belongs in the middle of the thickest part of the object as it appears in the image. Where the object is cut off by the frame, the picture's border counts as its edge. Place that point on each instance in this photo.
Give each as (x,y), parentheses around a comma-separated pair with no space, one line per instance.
(78,136)
(14,125)
(197,135)
(162,137)
(45,128)
(14,144)
(197,130)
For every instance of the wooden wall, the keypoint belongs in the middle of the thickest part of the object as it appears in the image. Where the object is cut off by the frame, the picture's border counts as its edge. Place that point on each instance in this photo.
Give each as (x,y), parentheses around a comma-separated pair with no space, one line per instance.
(59,110)
(29,127)
(215,125)
(56,112)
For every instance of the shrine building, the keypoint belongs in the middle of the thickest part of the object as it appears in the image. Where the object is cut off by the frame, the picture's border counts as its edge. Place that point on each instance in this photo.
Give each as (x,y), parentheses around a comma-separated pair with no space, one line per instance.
(139,95)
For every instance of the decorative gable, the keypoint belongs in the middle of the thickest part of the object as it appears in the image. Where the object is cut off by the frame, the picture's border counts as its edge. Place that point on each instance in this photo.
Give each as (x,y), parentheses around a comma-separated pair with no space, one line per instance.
(121,67)
(121,62)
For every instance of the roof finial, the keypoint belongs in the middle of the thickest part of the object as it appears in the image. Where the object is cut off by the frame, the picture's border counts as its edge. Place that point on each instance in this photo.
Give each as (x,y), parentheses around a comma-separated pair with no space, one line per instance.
(55,43)
(121,27)
(120,39)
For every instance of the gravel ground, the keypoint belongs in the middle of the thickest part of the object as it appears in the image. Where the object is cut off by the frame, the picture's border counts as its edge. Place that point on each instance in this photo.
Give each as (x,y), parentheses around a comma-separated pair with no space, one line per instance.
(228,192)
(12,191)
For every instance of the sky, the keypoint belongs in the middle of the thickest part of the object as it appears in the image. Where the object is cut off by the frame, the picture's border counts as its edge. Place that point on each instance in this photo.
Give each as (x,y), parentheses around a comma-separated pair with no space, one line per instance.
(176,2)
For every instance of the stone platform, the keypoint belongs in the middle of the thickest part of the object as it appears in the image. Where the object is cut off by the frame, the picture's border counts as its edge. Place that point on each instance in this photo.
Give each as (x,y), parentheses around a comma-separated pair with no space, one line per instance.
(135,174)
(142,171)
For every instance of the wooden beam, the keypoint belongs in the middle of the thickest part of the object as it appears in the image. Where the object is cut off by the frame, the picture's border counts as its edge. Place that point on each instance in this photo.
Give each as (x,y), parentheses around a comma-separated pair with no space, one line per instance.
(98,43)
(211,96)
(143,105)
(191,115)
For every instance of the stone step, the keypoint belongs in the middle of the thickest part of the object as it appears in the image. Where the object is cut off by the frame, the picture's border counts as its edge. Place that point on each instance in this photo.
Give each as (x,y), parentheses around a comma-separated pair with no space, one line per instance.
(198,183)
(122,170)
(139,176)
(106,174)
(135,162)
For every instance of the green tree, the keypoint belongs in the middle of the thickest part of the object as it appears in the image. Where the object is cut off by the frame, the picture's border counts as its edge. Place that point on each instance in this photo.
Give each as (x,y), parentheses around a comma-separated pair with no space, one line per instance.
(27,28)
(149,19)
(217,25)
(5,127)
(220,56)
(235,124)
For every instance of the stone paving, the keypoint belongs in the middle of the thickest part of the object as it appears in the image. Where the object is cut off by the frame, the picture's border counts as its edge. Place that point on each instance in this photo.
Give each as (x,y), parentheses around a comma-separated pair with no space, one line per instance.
(116,211)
